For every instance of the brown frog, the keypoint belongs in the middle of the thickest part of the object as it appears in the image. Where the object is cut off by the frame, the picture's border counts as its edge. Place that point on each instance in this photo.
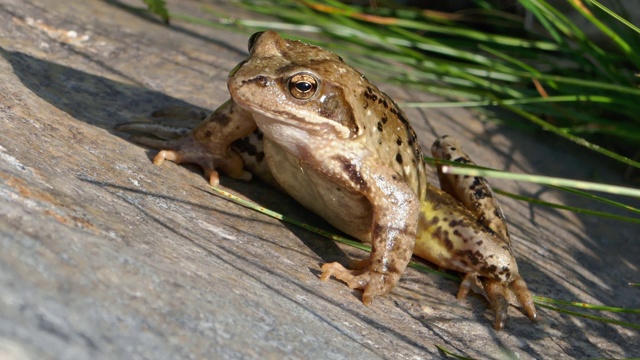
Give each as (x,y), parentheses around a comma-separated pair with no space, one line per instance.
(304,121)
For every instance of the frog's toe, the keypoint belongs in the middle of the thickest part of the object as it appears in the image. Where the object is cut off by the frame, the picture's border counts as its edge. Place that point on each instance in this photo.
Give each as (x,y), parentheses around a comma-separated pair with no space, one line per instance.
(519,287)
(499,303)
(373,283)
(213,176)
(465,285)
(501,295)
(353,278)
(188,150)
(496,294)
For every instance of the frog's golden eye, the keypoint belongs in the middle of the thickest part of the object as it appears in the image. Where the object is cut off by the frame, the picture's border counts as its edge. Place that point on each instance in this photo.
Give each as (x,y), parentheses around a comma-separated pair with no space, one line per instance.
(303,86)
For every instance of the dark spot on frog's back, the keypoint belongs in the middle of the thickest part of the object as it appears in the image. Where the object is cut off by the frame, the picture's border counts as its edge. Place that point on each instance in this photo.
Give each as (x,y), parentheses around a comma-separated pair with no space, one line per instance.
(448,244)
(370,94)
(473,257)
(481,194)
(399,158)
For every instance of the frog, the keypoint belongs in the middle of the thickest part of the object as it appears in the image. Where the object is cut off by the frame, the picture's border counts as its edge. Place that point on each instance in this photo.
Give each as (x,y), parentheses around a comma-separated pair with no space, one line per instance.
(304,121)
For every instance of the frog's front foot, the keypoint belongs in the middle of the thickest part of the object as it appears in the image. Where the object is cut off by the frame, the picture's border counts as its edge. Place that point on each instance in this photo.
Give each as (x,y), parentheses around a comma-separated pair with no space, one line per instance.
(188,150)
(207,145)
(500,295)
(362,278)
(208,156)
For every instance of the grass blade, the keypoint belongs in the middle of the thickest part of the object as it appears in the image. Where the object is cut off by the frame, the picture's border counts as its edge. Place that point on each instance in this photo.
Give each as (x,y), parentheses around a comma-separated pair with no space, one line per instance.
(547,180)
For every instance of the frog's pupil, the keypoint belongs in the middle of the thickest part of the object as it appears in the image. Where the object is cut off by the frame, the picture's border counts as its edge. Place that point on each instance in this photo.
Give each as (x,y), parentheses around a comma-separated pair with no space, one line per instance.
(303,86)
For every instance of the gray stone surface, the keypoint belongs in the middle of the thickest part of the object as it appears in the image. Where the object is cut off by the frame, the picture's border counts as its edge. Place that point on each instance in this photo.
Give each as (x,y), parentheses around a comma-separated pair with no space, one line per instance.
(104,255)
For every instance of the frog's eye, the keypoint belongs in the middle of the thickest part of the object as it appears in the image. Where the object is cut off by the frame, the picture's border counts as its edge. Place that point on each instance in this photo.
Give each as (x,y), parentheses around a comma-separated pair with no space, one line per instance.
(303,86)
(253,38)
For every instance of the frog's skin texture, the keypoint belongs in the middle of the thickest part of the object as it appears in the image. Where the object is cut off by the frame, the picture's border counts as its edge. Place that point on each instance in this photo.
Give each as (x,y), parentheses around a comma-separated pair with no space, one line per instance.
(304,121)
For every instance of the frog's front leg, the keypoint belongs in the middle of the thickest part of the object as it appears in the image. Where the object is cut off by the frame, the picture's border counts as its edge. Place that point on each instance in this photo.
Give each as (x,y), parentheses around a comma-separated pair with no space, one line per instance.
(464,229)
(208,145)
(393,231)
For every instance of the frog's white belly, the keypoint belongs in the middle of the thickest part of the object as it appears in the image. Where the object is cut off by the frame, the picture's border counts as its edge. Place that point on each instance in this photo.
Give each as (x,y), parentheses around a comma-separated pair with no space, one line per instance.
(343,208)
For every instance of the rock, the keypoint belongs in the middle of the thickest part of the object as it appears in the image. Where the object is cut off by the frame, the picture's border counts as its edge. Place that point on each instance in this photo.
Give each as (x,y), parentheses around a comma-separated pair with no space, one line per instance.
(104,255)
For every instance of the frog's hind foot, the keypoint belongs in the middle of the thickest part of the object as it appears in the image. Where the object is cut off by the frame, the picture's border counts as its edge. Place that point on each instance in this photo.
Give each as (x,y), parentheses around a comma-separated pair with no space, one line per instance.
(143,130)
(499,303)
(167,123)
(518,287)
(495,295)
(500,296)
(373,283)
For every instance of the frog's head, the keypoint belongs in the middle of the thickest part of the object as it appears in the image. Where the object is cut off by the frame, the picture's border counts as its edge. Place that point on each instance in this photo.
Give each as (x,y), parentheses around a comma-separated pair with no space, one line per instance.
(287,84)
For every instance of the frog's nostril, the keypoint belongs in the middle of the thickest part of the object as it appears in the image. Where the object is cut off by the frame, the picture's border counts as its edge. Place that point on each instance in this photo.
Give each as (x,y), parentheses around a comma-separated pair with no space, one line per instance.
(261,80)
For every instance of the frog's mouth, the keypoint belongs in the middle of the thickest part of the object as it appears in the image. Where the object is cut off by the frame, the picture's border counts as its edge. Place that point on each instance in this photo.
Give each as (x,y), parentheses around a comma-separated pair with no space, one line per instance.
(303,120)
(287,128)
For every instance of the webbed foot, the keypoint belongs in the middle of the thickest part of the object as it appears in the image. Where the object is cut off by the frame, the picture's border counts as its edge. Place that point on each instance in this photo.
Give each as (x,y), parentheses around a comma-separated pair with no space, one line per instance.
(207,144)
(362,278)
(501,295)
(188,150)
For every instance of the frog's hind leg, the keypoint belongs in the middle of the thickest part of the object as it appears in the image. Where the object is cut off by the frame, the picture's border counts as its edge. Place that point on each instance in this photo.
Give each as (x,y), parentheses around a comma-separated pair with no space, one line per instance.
(168,123)
(142,130)
(476,195)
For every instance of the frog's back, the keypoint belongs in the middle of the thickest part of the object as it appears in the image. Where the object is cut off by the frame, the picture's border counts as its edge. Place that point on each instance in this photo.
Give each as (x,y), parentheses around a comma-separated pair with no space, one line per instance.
(390,135)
